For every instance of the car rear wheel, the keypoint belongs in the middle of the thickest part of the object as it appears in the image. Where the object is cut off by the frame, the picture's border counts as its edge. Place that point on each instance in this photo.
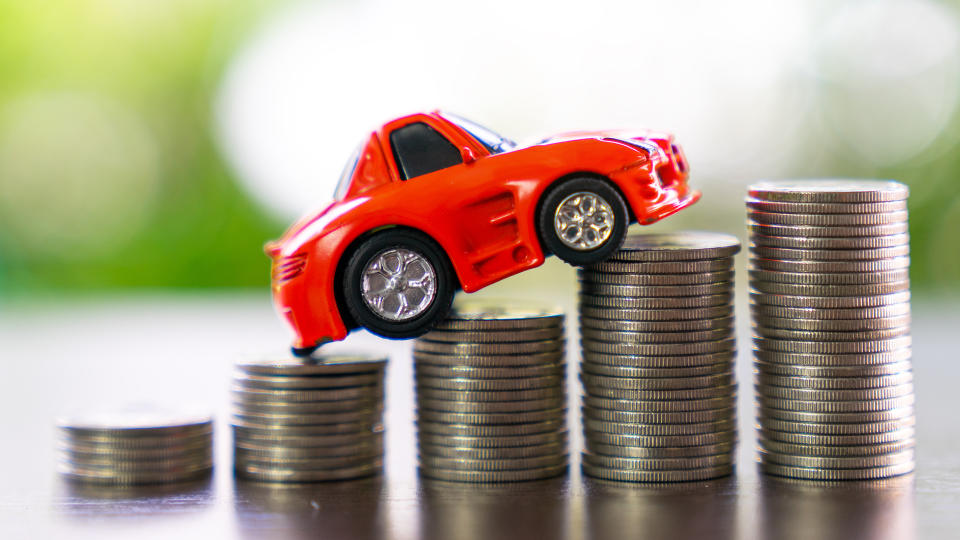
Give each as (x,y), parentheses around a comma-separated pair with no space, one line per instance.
(398,284)
(583,221)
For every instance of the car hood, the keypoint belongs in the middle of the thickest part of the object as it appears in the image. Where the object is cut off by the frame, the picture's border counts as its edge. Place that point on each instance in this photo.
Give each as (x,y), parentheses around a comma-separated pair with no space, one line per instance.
(651,141)
(310,226)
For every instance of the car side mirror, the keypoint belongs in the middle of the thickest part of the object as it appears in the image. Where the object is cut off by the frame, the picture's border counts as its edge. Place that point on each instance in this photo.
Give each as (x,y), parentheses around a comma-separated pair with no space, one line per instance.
(468,155)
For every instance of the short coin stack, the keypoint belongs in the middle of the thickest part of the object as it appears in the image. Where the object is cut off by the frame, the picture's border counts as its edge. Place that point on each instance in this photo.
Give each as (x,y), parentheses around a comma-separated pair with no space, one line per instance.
(657,334)
(309,420)
(491,399)
(830,300)
(136,446)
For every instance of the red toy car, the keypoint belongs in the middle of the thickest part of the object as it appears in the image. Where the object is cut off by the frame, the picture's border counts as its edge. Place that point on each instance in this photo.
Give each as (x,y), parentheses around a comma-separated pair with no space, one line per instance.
(432,203)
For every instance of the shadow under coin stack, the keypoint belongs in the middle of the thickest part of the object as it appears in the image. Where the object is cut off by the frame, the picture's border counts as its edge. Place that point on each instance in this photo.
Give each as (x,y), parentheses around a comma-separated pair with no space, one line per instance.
(136,446)
(657,335)
(311,420)
(491,398)
(831,308)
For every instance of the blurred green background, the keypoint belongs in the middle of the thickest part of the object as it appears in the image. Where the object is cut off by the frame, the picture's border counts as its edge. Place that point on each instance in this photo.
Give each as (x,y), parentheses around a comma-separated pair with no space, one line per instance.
(111,176)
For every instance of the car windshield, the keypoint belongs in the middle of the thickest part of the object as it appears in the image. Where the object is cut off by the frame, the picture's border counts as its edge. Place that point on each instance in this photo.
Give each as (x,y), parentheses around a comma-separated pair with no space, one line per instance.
(490,139)
(343,185)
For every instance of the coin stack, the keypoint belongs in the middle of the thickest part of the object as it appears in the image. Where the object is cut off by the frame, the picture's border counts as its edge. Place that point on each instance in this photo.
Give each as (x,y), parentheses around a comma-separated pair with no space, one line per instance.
(141,445)
(830,298)
(309,420)
(491,399)
(657,335)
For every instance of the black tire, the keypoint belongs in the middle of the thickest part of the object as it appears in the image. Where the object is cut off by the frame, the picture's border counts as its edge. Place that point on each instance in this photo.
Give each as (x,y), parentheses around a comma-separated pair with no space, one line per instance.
(370,249)
(549,237)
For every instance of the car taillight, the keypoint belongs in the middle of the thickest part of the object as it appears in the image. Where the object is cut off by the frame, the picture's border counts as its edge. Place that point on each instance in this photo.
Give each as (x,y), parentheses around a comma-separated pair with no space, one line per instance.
(289,267)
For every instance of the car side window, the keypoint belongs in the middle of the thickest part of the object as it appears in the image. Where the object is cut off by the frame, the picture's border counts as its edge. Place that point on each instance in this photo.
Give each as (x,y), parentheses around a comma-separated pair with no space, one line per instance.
(418,149)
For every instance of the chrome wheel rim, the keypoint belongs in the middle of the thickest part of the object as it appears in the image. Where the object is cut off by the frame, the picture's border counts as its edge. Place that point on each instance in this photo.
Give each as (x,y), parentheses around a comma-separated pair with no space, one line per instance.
(398,284)
(583,221)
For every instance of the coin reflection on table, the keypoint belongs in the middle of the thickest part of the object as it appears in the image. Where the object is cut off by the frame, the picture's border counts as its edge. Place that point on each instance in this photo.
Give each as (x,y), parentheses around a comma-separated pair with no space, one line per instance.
(459,511)
(349,509)
(96,501)
(615,510)
(801,509)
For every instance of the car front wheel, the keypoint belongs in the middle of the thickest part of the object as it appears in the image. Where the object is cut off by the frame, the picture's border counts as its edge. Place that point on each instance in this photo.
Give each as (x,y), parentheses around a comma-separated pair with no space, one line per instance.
(398,284)
(583,221)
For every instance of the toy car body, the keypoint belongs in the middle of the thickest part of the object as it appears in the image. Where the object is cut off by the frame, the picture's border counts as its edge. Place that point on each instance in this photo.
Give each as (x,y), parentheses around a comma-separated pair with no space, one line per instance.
(431,203)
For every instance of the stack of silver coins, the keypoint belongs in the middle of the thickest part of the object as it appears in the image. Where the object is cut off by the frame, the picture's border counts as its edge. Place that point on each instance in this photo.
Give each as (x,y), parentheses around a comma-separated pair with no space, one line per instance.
(141,445)
(831,309)
(309,420)
(491,398)
(657,335)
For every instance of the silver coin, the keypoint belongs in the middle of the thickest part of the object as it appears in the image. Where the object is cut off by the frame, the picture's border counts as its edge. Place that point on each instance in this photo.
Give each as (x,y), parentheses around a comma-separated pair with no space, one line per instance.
(550,345)
(289,382)
(472,372)
(834,325)
(652,395)
(132,478)
(269,396)
(113,464)
(819,220)
(823,406)
(679,246)
(655,291)
(648,280)
(135,421)
(371,415)
(873,289)
(278,474)
(656,464)
(484,441)
(371,446)
(846,462)
(622,475)
(829,191)
(694,325)
(308,407)
(490,395)
(247,428)
(316,365)
(489,360)
(658,452)
(838,440)
(660,406)
(486,407)
(667,302)
(724,264)
(282,440)
(633,314)
(832,347)
(500,464)
(683,417)
(836,451)
(491,430)
(495,336)
(825,383)
(781,265)
(655,373)
(825,208)
(514,452)
(623,428)
(830,231)
(495,385)
(829,302)
(242,460)
(477,314)
(850,428)
(870,370)
(806,473)
(876,312)
(829,242)
(493,476)
(665,383)
(837,418)
(659,349)
(490,418)
(806,254)
(81,450)
(632,337)
(110,443)
(660,441)
(819,394)
(658,362)
(818,335)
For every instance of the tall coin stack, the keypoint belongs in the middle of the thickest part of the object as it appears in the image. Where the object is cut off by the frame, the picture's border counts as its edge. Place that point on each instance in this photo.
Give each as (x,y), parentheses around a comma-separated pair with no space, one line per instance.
(657,334)
(309,420)
(831,309)
(136,446)
(491,398)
